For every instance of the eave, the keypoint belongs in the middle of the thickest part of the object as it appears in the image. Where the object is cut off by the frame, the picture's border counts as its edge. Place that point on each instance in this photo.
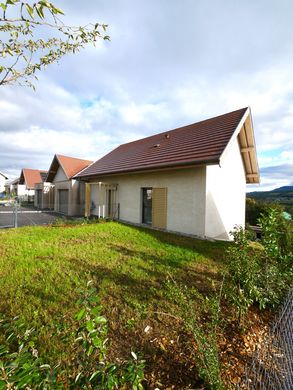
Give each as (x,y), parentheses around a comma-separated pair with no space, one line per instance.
(245,135)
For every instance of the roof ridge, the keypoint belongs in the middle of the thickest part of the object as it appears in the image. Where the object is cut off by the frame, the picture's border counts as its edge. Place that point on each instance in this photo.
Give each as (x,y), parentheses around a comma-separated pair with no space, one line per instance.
(74,158)
(205,141)
(184,126)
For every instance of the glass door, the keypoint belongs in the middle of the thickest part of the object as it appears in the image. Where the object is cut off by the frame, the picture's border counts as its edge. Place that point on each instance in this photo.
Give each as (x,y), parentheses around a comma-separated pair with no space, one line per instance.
(147,200)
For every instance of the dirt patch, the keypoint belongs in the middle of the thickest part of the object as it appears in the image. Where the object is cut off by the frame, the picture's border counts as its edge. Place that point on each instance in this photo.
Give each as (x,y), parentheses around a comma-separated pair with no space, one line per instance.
(169,350)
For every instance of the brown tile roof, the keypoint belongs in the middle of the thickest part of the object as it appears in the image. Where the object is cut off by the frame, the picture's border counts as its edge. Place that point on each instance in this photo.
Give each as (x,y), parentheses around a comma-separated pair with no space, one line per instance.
(201,142)
(70,165)
(30,177)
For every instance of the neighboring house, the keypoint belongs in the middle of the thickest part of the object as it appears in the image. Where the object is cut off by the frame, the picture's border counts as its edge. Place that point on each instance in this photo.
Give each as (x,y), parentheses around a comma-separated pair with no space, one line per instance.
(3,179)
(44,196)
(68,193)
(190,180)
(27,180)
(11,187)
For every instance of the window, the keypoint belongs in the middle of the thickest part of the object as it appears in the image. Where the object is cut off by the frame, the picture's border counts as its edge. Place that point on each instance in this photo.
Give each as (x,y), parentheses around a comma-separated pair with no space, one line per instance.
(147,200)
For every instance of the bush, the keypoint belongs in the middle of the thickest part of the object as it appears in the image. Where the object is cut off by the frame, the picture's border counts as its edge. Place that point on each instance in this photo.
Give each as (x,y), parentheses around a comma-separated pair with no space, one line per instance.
(260,275)
(22,368)
(204,333)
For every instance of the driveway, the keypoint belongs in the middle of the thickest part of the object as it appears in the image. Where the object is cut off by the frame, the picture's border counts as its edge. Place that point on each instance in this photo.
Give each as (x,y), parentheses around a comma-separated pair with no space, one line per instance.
(26,216)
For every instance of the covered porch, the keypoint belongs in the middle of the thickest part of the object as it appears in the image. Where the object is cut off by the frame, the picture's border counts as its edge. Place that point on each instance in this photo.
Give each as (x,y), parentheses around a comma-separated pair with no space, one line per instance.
(101,200)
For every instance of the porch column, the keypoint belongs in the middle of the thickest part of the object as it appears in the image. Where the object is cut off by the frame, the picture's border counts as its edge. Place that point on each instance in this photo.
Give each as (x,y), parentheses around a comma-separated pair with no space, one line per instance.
(87,210)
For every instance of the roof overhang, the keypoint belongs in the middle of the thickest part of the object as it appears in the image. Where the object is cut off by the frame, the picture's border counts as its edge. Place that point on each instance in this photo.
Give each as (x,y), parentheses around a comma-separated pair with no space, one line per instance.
(161,168)
(55,164)
(245,135)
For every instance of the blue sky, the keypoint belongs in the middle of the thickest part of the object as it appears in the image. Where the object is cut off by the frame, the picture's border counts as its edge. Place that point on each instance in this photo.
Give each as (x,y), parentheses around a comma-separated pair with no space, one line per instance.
(168,64)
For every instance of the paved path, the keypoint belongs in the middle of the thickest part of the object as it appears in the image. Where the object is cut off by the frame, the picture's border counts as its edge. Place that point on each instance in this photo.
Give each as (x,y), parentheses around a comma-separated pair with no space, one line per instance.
(26,216)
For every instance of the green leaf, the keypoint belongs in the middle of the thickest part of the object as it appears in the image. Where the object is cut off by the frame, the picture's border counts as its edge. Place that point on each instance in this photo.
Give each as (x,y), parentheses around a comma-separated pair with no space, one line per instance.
(57,11)
(80,315)
(77,377)
(100,320)
(94,375)
(95,311)
(40,12)
(90,325)
(30,10)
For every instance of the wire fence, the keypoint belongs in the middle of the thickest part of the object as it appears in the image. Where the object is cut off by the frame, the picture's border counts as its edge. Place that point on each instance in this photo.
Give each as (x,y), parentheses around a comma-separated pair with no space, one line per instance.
(271,367)
(9,215)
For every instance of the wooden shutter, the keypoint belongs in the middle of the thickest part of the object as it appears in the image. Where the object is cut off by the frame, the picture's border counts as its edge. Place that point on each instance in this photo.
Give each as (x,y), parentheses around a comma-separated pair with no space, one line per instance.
(159,212)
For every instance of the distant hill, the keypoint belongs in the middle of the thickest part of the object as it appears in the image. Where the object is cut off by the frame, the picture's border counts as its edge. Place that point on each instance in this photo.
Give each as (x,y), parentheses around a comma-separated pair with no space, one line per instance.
(282,195)
(282,189)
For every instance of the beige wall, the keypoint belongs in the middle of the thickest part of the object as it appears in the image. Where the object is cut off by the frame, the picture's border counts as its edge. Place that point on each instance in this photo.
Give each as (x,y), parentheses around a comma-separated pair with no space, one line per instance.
(225,194)
(185,203)
(47,199)
(75,193)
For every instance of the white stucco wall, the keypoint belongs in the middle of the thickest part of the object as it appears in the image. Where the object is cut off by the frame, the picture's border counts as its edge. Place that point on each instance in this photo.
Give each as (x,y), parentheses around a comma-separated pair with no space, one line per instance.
(23,191)
(2,183)
(225,194)
(185,199)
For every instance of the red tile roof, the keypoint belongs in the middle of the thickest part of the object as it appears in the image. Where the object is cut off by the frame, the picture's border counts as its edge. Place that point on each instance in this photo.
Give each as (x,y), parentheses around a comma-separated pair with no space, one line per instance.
(70,165)
(201,142)
(30,177)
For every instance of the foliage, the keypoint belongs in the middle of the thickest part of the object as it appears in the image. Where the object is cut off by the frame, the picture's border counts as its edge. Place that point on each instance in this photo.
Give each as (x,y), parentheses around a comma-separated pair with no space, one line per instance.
(243,269)
(256,207)
(25,50)
(260,275)
(21,367)
(20,364)
(94,370)
(204,332)
(277,236)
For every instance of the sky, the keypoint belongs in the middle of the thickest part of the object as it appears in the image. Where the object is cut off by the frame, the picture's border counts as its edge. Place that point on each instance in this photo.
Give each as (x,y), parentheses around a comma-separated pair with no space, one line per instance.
(169,63)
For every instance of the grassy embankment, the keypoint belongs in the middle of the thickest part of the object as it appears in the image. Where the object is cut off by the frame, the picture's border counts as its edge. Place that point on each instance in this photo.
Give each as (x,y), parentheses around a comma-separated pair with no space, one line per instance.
(43,270)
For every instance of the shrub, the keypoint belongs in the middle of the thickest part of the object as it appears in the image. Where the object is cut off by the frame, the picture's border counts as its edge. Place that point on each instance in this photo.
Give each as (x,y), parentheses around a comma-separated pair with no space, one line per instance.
(204,333)
(243,270)
(260,275)
(22,368)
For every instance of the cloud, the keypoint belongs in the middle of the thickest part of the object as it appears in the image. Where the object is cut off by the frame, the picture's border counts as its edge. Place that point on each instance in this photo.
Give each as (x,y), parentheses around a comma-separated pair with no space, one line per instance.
(274,177)
(168,64)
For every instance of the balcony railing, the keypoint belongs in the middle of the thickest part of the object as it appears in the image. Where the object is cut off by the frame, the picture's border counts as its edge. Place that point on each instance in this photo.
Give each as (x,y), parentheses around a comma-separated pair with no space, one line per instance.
(111,211)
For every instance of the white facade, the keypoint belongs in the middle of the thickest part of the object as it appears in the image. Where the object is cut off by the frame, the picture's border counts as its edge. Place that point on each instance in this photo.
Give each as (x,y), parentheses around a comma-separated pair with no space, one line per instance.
(22,191)
(225,194)
(206,201)
(185,200)
(2,182)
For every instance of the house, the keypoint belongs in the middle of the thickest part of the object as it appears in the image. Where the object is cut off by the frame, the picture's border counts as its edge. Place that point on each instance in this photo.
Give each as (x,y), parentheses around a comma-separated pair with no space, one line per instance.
(11,187)
(189,180)
(3,179)
(27,180)
(64,194)
(44,196)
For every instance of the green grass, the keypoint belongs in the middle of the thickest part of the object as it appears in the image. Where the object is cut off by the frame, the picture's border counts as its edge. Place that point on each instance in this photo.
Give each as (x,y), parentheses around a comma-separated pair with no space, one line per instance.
(43,270)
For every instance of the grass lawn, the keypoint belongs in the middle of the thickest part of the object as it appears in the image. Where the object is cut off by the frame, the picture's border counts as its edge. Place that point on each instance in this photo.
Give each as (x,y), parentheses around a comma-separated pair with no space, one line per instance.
(43,270)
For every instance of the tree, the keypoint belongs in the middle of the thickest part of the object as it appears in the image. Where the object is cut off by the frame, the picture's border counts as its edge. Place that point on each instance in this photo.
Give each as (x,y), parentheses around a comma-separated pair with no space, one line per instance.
(27,45)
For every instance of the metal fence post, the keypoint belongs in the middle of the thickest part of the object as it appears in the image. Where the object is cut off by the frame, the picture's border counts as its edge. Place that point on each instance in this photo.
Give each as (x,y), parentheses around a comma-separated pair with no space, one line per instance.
(15,215)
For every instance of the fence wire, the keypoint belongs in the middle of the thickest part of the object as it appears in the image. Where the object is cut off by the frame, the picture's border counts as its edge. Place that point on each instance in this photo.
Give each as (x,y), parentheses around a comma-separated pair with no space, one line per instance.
(271,367)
